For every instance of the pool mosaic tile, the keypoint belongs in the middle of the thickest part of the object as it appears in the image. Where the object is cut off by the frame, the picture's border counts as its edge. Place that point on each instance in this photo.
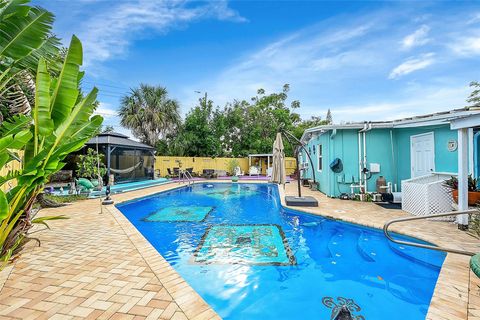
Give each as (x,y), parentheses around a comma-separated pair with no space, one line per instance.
(234,192)
(180,214)
(255,244)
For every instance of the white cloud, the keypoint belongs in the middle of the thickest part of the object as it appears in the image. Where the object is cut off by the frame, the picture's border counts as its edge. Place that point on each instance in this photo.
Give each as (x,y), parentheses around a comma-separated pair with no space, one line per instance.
(411,65)
(109,33)
(422,100)
(417,38)
(467,46)
(106,110)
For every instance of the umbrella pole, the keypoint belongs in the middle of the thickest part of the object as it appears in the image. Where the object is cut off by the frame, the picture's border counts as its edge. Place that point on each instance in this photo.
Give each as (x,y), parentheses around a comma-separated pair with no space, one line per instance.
(298,172)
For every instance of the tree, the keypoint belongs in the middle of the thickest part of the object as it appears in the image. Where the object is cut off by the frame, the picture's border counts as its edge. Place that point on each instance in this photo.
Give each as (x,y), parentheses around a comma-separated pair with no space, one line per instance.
(149,113)
(88,165)
(474,98)
(329,118)
(240,128)
(306,124)
(57,126)
(200,131)
(108,129)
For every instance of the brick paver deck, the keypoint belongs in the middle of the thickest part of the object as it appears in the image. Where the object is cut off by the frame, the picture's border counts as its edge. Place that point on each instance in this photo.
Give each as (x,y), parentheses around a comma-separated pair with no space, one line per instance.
(98,266)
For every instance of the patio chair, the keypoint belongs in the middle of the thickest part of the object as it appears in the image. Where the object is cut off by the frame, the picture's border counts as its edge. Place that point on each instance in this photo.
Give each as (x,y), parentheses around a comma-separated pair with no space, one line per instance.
(208,173)
(238,172)
(169,172)
(269,172)
(176,171)
(254,171)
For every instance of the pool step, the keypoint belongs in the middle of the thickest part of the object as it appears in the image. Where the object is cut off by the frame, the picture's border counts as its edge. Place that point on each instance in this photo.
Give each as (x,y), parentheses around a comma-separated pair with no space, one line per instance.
(426,257)
(367,247)
(341,246)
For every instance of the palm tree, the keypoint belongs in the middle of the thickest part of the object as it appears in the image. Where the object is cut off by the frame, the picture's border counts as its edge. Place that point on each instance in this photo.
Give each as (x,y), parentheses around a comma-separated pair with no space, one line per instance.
(149,113)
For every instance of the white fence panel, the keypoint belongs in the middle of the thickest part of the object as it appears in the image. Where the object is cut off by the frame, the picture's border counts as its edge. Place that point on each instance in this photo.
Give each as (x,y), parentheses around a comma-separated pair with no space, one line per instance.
(428,195)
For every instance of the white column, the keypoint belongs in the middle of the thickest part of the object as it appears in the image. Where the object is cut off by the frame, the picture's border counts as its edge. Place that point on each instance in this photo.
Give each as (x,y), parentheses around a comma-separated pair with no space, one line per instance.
(471,163)
(462,175)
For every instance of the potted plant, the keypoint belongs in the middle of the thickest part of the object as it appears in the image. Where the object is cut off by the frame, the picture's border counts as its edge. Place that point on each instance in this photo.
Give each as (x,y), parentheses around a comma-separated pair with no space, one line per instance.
(232,166)
(473,193)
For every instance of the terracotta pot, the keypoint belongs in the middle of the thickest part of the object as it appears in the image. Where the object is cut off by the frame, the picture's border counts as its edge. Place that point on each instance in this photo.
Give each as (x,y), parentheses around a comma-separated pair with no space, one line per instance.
(473,197)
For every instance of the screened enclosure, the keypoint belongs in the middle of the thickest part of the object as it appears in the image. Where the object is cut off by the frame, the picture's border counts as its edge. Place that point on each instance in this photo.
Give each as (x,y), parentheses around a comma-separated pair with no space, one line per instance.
(127,160)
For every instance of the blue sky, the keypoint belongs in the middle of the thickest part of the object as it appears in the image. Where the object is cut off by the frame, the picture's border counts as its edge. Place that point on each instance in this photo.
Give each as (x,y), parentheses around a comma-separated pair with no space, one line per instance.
(363,60)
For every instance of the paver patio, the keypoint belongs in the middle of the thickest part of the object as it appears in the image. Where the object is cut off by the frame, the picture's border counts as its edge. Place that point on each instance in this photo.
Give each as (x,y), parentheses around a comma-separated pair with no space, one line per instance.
(98,266)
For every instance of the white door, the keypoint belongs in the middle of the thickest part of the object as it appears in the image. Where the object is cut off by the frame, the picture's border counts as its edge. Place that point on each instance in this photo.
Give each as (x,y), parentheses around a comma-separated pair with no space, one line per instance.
(422,154)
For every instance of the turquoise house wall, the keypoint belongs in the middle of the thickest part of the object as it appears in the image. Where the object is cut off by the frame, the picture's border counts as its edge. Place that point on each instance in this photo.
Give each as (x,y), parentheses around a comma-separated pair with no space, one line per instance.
(388,147)
(345,147)
(445,161)
(379,150)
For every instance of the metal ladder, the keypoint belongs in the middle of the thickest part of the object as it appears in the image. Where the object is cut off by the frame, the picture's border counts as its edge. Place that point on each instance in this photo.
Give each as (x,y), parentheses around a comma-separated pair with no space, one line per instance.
(185,175)
(426,246)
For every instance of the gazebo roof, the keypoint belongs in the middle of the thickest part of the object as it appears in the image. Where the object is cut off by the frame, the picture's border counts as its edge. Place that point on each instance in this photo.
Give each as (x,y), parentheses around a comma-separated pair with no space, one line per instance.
(118,139)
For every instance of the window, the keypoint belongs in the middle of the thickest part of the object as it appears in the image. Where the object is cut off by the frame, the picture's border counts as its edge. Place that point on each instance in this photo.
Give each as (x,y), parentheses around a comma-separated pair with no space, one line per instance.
(320,157)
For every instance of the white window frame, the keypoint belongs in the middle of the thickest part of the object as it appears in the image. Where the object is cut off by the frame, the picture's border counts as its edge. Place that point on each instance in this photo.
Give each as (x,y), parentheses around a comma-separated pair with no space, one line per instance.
(319,156)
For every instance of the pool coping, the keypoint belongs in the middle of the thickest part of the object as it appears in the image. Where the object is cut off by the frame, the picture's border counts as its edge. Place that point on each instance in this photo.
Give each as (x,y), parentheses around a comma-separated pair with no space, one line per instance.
(188,300)
(450,300)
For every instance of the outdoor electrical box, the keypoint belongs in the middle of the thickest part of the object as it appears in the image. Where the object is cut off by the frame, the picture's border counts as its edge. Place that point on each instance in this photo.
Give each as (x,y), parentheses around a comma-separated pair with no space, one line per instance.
(374,167)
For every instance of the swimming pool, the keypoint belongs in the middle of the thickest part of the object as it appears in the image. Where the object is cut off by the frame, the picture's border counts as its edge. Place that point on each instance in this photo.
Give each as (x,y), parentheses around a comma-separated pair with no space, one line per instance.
(250,258)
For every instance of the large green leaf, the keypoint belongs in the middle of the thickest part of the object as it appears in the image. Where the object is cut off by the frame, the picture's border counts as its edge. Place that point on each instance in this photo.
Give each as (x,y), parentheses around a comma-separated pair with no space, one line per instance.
(48,50)
(21,34)
(66,90)
(41,110)
(9,8)
(16,142)
(15,124)
(3,206)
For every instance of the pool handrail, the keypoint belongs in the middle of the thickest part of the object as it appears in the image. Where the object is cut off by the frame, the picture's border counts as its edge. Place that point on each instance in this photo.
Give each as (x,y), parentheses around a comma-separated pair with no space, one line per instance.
(426,246)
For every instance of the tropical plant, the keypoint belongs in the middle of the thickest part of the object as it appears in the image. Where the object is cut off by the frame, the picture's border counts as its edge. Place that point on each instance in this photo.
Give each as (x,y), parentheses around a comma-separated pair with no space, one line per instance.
(232,165)
(57,126)
(26,37)
(88,165)
(452,183)
(149,113)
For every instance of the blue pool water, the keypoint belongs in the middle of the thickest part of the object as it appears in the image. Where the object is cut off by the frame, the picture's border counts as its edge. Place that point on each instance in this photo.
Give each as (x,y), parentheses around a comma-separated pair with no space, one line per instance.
(250,258)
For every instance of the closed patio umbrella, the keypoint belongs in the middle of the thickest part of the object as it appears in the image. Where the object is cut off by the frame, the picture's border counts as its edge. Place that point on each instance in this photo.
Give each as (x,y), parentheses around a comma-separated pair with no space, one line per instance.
(278,169)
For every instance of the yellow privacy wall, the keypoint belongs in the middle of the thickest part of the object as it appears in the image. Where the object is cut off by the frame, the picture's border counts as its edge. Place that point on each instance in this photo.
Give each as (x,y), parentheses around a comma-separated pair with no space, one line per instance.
(162,163)
(11,166)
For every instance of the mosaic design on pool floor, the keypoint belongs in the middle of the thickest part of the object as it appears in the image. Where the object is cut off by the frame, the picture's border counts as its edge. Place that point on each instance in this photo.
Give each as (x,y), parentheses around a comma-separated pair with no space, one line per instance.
(180,214)
(252,244)
(231,193)
(343,309)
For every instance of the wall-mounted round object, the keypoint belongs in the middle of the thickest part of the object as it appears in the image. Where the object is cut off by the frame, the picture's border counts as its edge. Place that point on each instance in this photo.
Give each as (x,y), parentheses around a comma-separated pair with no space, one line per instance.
(452,145)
